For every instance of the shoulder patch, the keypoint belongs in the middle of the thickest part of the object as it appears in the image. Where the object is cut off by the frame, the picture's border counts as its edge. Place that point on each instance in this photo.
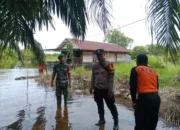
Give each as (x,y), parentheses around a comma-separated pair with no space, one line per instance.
(111,67)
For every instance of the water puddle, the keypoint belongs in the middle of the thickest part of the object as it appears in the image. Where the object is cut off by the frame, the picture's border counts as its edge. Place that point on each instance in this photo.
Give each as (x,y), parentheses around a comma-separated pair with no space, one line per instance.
(34,107)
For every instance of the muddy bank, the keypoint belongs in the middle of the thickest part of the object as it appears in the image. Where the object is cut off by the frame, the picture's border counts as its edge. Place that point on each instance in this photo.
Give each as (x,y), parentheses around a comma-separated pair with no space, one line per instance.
(170,97)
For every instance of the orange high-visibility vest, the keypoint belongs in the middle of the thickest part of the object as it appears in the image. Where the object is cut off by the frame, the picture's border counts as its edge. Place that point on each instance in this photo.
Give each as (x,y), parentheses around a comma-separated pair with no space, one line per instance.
(146,80)
(40,67)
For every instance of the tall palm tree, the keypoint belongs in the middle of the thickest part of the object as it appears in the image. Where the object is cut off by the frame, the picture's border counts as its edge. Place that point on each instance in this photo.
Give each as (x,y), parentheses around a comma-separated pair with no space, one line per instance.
(19,19)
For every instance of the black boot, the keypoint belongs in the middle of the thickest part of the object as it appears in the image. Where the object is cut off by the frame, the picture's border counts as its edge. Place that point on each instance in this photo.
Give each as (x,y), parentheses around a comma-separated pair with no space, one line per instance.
(65,101)
(101,121)
(58,102)
(116,124)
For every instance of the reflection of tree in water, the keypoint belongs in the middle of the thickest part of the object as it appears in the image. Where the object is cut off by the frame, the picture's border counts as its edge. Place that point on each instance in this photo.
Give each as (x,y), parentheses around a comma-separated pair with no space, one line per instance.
(40,120)
(18,124)
(62,121)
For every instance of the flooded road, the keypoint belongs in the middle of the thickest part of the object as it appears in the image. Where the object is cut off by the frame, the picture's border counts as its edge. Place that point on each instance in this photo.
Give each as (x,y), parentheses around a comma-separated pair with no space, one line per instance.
(27,106)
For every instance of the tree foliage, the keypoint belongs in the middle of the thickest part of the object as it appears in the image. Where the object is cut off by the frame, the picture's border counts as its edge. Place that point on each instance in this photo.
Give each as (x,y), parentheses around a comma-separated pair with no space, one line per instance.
(117,37)
(70,52)
(8,59)
(138,50)
(29,58)
(155,50)
(20,19)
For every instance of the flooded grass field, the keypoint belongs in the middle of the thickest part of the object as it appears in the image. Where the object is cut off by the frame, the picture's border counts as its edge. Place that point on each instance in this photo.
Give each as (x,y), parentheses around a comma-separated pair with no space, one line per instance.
(26,106)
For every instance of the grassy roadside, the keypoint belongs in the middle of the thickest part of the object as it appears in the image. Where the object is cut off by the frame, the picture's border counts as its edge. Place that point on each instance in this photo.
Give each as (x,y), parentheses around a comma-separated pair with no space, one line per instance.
(168,76)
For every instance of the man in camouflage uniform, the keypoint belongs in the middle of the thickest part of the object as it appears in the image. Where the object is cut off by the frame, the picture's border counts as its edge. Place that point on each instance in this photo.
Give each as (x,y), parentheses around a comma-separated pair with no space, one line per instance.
(62,73)
(102,82)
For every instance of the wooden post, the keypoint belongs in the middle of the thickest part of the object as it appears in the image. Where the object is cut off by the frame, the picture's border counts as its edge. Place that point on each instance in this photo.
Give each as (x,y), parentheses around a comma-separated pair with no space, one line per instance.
(116,57)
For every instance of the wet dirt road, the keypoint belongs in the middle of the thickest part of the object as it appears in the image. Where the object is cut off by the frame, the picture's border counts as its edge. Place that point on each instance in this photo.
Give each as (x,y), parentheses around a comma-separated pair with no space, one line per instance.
(27,106)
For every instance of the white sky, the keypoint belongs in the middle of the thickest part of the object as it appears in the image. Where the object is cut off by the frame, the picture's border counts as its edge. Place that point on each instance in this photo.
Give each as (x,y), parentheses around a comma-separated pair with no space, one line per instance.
(124,12)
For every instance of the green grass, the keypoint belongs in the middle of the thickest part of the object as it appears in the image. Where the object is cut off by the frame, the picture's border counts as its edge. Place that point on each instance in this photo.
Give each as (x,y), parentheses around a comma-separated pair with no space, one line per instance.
(81,71)
(51,57)
(122,71)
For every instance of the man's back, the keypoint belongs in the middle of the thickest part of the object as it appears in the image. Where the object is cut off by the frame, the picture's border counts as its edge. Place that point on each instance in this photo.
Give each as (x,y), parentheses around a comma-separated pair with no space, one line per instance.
(147,79)
(144,81)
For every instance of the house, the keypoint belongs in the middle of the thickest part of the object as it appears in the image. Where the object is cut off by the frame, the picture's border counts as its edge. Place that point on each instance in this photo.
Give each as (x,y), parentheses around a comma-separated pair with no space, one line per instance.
(84,51)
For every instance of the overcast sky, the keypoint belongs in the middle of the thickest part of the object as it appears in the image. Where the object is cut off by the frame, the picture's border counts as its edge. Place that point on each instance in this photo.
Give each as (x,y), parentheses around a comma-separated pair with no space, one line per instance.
(124,12)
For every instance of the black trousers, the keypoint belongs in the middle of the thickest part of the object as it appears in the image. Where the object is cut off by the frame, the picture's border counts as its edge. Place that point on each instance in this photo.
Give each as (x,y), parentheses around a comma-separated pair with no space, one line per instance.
(146,111)
(99,95)
(61,90)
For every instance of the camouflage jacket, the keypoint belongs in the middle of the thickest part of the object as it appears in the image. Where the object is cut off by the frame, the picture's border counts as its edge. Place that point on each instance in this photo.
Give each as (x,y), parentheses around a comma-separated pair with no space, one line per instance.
(101,78)
(61,71)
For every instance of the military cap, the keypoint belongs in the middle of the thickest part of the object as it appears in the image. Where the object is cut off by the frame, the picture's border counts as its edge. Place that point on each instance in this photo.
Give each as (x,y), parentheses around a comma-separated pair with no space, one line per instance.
(99,52)
(60,56)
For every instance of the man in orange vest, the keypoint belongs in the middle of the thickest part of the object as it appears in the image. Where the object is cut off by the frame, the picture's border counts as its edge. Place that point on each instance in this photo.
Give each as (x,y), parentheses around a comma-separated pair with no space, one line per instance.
(144,81)
(41,68)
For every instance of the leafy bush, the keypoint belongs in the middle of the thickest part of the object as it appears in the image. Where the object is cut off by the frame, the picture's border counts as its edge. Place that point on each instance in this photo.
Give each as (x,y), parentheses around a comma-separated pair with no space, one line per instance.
(81,71)
(138,50)
(156,62)
(8,59)
(122,70)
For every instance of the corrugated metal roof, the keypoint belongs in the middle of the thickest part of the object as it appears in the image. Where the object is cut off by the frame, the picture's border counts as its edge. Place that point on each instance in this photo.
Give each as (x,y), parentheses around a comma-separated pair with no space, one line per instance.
(92,46)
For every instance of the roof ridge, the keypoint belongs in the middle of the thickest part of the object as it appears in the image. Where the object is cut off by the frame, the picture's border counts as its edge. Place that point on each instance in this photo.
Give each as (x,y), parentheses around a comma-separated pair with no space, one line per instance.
(95,42)
(93,45)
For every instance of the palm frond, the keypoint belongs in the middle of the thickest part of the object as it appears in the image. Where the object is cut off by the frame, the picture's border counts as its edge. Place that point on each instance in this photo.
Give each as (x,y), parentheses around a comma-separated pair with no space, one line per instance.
(19,19)
(100,11)
(164,19)
(18,22)
(39,52)
(71,12)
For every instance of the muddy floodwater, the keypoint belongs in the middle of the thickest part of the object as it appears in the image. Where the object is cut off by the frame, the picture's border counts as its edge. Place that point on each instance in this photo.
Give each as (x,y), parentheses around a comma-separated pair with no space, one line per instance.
(26,106)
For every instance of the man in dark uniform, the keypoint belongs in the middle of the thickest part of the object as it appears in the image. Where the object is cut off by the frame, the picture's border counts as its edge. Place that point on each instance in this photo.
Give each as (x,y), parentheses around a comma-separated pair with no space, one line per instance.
(103,83)
(62,73)
(144,81)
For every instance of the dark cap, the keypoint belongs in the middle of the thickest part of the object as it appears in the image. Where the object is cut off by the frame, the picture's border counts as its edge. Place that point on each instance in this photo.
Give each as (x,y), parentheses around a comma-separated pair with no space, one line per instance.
(60,56)
(142,58)
(99,52)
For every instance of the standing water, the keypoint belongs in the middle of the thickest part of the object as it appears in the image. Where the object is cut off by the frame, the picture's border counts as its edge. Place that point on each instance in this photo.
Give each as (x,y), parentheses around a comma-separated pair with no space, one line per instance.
(26,106)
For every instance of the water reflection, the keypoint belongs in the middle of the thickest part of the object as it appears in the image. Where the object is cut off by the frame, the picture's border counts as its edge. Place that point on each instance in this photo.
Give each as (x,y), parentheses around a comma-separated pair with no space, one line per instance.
(18,124)
(40,120)
(102,127)
(62,122)
(27,106)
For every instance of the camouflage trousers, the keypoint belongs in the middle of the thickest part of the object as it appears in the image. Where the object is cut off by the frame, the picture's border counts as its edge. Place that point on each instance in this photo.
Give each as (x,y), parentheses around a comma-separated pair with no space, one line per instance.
(61,90)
